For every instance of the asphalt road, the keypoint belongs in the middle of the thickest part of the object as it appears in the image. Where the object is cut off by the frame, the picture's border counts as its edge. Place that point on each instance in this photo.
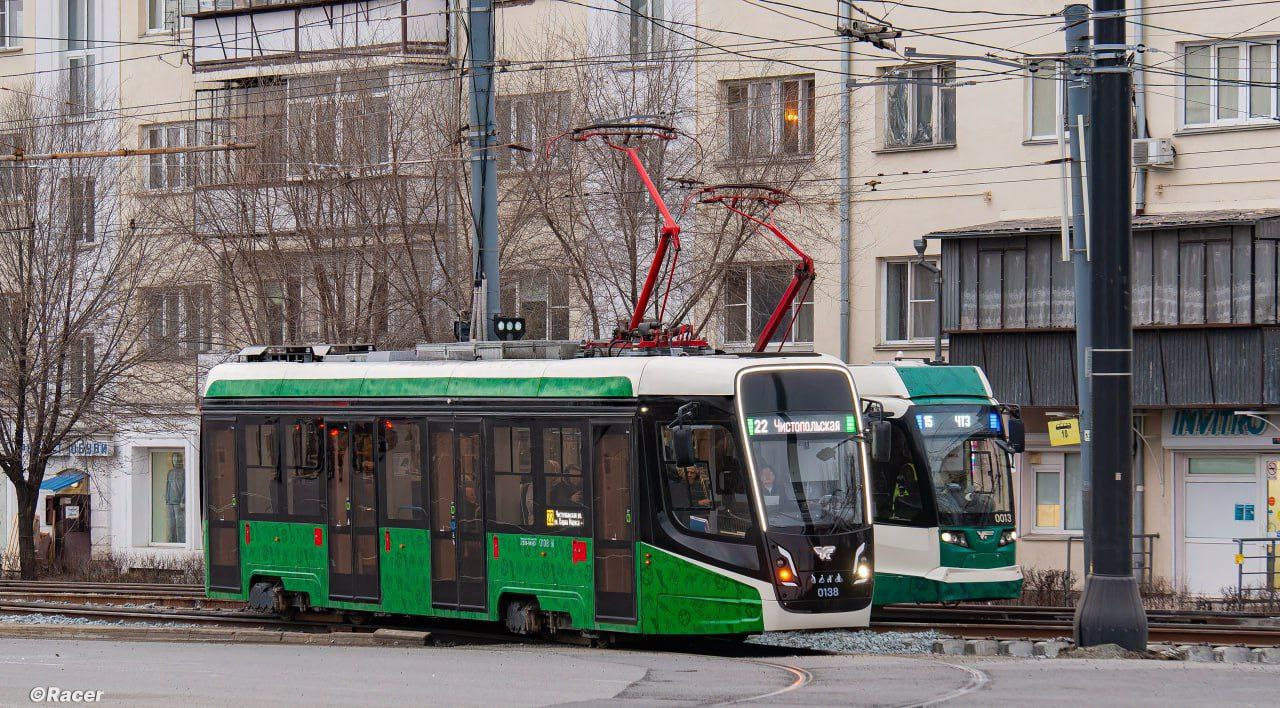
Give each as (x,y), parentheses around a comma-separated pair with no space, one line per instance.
(163,674)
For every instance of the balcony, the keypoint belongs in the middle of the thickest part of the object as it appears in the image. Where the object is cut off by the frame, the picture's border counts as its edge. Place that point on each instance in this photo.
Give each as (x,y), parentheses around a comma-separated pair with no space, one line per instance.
(256,32)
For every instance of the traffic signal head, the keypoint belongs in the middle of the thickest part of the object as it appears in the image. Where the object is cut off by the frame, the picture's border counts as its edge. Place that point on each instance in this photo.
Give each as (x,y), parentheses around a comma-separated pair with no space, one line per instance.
(508,328)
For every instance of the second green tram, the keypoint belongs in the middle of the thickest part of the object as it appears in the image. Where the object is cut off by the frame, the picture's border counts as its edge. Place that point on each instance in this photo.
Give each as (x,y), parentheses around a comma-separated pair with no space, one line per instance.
(659,495)
(943,490)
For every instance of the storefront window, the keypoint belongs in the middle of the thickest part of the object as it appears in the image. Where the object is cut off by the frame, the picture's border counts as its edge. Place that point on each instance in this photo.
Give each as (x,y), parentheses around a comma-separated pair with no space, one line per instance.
(1221,465)
(168,496)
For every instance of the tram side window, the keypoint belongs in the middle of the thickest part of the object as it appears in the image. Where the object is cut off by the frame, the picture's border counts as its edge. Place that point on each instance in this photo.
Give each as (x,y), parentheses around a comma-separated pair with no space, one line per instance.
(262,468)
(900,485)
(402,487)
(562,476)
(303,463)
(513,501)
(709,496)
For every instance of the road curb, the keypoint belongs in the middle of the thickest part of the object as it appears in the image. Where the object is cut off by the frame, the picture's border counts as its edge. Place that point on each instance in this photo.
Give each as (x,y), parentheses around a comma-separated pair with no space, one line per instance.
(228,635)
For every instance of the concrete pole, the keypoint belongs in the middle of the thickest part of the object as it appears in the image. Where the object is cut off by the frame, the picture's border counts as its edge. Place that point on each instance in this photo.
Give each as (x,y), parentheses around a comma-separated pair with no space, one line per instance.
(484,170)
(1110,610)
(1076,113)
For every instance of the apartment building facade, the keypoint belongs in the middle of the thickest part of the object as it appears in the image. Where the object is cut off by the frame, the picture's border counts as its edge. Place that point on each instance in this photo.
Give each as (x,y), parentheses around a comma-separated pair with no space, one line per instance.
(960,152)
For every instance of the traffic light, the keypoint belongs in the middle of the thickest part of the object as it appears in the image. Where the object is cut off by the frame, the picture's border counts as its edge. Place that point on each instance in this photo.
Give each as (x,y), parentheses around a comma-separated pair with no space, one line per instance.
(508,328)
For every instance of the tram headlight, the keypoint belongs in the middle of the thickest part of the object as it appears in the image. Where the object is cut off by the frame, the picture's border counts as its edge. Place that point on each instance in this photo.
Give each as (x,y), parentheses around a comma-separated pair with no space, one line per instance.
(955,538)
(864,571)
(1008,536)
(784,569)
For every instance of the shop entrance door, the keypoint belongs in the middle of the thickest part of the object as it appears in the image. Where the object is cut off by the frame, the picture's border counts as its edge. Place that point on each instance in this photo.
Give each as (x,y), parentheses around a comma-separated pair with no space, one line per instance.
(1222,499)
(218,472)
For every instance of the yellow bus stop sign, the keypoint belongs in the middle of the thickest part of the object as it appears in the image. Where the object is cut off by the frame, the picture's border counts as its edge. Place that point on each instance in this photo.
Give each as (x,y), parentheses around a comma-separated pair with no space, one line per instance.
(1064,432)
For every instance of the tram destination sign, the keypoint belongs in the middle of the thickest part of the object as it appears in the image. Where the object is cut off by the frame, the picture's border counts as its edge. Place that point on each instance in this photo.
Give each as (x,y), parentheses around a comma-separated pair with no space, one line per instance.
(830,423)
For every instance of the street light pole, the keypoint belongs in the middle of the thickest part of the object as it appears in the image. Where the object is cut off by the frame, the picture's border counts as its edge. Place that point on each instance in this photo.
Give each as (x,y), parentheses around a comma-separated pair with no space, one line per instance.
(1110,609)
(484,170)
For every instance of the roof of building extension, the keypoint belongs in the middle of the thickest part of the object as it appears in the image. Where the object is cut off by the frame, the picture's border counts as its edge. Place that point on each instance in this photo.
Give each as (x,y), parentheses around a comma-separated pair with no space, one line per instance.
(1143,222)
(62,480)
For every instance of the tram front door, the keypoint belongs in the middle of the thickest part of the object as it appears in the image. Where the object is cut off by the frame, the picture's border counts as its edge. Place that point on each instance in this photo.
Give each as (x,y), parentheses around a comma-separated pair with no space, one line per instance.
(353,512)
(615,559)
(458,579)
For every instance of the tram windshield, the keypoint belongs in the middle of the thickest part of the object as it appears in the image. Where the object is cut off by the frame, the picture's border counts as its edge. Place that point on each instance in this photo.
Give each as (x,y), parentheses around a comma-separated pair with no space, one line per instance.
(970,470)
(803,442)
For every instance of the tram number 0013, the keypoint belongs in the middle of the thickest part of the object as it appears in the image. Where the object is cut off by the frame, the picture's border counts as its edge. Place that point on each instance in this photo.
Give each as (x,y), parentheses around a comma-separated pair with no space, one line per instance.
(1002,517)
(829,592)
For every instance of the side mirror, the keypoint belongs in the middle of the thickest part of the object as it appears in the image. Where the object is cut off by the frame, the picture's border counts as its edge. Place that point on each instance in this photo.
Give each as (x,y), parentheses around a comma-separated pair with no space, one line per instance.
(881,441)
(682,446)
(1017,435)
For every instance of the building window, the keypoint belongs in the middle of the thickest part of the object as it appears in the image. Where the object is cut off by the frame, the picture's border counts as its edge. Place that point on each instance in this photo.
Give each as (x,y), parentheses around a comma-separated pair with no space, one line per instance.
(81,193)
(169,15)
(168,496)
(1229,83)
(642,28)
(81,94)
(80,362)
(338,121)
(178,320)
(1058,495)
(752,292)
(910,302)
(282,311)
(527,122)
(920,106)
(770,117)
(543,302)
(1008,283)
(172,170)
(10,23)
(1046,89)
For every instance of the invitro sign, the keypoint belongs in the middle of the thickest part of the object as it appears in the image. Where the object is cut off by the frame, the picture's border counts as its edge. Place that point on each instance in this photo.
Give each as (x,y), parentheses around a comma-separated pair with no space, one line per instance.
(1206,423)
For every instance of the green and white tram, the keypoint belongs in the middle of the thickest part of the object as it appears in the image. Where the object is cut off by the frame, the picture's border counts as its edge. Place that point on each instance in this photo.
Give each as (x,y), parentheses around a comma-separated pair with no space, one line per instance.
(941,483)
(647,495)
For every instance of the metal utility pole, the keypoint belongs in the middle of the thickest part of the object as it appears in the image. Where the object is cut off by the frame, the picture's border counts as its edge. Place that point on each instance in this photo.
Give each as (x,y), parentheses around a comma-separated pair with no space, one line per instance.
(1110,610)
(484,170)
(846,153)
(1076,122)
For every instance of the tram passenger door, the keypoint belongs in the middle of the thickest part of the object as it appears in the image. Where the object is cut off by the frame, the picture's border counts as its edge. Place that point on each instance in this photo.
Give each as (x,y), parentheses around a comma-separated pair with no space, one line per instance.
(615,559)
(458,571)
(353,512)
(218,469)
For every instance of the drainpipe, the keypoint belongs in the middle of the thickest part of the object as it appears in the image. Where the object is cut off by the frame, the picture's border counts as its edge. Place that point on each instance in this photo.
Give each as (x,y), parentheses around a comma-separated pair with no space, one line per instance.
(1139,110)
(846,150)
(1139,491)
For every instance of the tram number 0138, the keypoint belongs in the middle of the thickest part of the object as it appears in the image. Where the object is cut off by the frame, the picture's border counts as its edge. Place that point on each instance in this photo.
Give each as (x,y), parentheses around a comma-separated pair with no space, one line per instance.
(833,591)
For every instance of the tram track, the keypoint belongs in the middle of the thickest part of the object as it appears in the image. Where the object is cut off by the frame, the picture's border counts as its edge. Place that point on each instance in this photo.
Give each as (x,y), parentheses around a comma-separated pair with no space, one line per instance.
(1019,622)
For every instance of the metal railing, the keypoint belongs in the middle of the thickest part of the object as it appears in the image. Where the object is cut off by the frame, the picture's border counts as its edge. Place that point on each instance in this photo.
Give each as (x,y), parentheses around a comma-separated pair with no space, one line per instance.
(1143,555)
(1269,588)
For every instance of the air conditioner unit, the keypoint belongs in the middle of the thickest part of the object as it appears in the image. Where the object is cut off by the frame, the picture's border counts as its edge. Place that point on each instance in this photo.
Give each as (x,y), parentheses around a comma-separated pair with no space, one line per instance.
(1153,152)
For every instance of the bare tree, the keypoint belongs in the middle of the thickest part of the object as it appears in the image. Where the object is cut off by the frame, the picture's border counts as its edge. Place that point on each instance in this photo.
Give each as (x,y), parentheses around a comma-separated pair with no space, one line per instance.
(75,355)
(580,211)
(336,228)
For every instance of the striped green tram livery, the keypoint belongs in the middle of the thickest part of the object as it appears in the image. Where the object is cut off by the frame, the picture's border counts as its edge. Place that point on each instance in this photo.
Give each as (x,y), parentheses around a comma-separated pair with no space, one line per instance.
(942,485)
(659,495)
